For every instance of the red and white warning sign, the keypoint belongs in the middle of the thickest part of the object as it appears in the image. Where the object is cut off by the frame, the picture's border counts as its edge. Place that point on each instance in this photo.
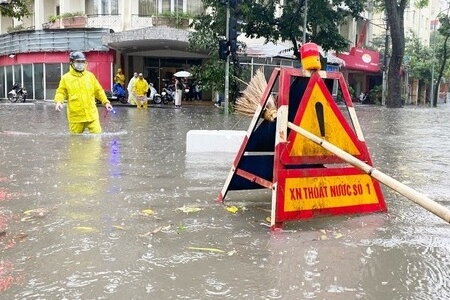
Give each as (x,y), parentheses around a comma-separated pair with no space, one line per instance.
(305,178)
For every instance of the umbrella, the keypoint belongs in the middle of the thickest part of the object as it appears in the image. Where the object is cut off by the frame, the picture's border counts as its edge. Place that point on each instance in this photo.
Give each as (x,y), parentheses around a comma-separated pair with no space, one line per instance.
(182,74)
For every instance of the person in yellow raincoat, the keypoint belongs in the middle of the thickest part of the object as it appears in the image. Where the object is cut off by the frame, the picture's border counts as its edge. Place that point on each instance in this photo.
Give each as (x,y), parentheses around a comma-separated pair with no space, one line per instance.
(140,89)
(80,88)
(120,78)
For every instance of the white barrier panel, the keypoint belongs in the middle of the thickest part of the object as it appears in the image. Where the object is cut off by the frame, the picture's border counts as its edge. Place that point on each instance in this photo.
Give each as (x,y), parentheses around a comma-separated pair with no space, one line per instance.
(214,140)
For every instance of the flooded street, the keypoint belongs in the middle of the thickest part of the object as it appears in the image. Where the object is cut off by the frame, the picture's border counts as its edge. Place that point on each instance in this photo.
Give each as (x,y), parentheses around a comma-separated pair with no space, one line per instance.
(129,215)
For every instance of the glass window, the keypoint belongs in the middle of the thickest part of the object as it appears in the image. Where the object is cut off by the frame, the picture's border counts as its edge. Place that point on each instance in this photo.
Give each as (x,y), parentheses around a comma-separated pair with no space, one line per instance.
(101,7)
(17,74)
(2,83)
(178,6)
(9,78)
(52,77)
(28,79)
(147,7)
(165,6)
(114,7)
(195,7)
(91,7)
(39,81)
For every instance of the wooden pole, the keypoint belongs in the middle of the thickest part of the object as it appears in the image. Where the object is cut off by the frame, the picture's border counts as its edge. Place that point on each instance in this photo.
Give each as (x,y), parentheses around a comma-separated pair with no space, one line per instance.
(411,194)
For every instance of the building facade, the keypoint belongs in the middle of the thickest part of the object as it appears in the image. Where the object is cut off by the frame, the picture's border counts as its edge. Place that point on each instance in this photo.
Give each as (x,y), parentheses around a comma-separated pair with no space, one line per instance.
(148,36)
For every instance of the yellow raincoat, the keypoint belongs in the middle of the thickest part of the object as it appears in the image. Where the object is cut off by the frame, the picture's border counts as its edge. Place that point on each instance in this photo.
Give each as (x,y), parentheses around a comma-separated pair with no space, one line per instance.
(120,78)
(140,87)
(80,89)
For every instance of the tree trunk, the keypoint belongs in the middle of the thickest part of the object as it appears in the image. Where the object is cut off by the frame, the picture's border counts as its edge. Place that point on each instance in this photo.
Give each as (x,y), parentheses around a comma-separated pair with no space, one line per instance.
(395,10)
(441,72)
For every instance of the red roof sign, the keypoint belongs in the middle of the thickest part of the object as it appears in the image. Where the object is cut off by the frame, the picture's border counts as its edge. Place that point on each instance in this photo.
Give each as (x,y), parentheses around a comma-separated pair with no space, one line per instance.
(361,60)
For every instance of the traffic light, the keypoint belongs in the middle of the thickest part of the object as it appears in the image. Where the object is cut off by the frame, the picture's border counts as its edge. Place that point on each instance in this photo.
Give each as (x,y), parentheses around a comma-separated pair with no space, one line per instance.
(234,32)
(224,49)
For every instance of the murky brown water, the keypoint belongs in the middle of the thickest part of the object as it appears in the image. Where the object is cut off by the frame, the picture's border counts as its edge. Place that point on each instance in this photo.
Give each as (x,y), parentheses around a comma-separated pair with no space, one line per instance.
(97,217)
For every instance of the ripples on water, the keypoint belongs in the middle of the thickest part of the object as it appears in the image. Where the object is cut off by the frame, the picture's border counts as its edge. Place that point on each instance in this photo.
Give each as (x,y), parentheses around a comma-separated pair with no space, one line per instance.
(93,242)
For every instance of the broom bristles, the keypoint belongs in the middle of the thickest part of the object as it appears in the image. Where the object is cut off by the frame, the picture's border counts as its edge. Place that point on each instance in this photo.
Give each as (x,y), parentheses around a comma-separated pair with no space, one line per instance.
(247,104)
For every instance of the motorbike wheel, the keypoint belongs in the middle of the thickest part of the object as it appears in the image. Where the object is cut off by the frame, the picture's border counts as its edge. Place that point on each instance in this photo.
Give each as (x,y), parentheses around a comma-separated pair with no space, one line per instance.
(12,99)
(165,100)
(157,99)
(123,100)
(23,98)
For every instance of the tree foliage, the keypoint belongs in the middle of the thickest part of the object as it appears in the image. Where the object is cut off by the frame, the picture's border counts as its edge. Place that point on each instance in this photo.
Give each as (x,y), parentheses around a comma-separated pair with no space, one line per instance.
(262,19)
(442,53)
(418,59)
(15,8)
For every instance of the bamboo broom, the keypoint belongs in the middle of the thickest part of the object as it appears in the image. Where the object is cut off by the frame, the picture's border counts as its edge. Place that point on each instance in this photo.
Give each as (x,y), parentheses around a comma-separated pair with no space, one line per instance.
(247,104)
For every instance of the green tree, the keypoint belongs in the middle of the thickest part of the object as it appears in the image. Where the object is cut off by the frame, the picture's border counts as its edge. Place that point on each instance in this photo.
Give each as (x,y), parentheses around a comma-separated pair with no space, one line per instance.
(443,53)
(15,8)
(417,61)
(210,28)
(324,17)
(395,10)
(261,19)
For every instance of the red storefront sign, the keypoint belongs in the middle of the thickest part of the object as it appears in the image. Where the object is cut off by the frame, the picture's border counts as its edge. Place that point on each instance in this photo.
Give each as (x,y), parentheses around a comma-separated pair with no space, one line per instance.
(361,60)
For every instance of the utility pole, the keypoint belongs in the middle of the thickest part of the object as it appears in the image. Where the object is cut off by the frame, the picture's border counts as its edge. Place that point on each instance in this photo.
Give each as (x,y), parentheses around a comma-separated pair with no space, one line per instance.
(305,19)
(227,65)
(385,65)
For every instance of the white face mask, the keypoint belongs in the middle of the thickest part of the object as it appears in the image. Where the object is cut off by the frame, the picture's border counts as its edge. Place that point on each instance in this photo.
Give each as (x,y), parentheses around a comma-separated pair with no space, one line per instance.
(79,66)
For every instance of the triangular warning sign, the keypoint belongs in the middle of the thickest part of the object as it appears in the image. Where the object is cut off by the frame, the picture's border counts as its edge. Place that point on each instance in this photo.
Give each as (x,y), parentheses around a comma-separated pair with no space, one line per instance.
(306,180)
(319,114)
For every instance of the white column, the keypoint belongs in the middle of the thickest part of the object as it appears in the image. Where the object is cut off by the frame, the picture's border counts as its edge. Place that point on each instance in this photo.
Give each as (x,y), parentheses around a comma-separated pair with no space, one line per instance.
(39,18)
(126,11)
(64,6)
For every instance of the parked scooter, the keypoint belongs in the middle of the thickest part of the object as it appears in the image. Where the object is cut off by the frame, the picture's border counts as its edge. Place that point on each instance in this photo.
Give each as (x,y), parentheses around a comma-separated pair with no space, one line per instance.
(154,96)
(168,94)
(120,93)
(17,94)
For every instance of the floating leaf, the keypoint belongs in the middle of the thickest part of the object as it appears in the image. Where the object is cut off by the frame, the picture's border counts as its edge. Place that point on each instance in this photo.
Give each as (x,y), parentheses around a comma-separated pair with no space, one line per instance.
(232,209)
(188,209)
(84,228)
(181,228)
(206,249)
(38,212)
(118,227)
(323,237)
(269,219)
(338,235)
(148,212)
(232,252)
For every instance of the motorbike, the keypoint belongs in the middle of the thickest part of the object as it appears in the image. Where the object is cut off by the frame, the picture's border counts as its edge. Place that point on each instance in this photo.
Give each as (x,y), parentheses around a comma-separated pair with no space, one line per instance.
(17,94)
(168,94)
(120,93)
(154,96)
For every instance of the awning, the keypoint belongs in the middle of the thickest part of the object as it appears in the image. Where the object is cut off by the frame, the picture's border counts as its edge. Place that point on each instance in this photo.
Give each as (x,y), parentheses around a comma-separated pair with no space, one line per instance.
(361,60)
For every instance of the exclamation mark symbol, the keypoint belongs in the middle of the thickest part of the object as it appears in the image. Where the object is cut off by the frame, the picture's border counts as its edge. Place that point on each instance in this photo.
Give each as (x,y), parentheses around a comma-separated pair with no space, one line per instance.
(320,118)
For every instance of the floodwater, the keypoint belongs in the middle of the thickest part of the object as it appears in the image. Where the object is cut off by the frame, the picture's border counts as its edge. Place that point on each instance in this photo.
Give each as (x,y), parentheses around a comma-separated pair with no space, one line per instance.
(129,215)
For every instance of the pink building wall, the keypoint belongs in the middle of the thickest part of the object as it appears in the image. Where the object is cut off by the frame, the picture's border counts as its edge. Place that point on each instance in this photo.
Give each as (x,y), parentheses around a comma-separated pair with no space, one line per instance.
(99,63)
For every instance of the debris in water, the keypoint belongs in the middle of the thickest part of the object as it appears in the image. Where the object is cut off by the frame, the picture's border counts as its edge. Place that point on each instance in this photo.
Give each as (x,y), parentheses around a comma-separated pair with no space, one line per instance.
(148,212)
(187,209)
(232,209)
(85,228)
(206,249)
